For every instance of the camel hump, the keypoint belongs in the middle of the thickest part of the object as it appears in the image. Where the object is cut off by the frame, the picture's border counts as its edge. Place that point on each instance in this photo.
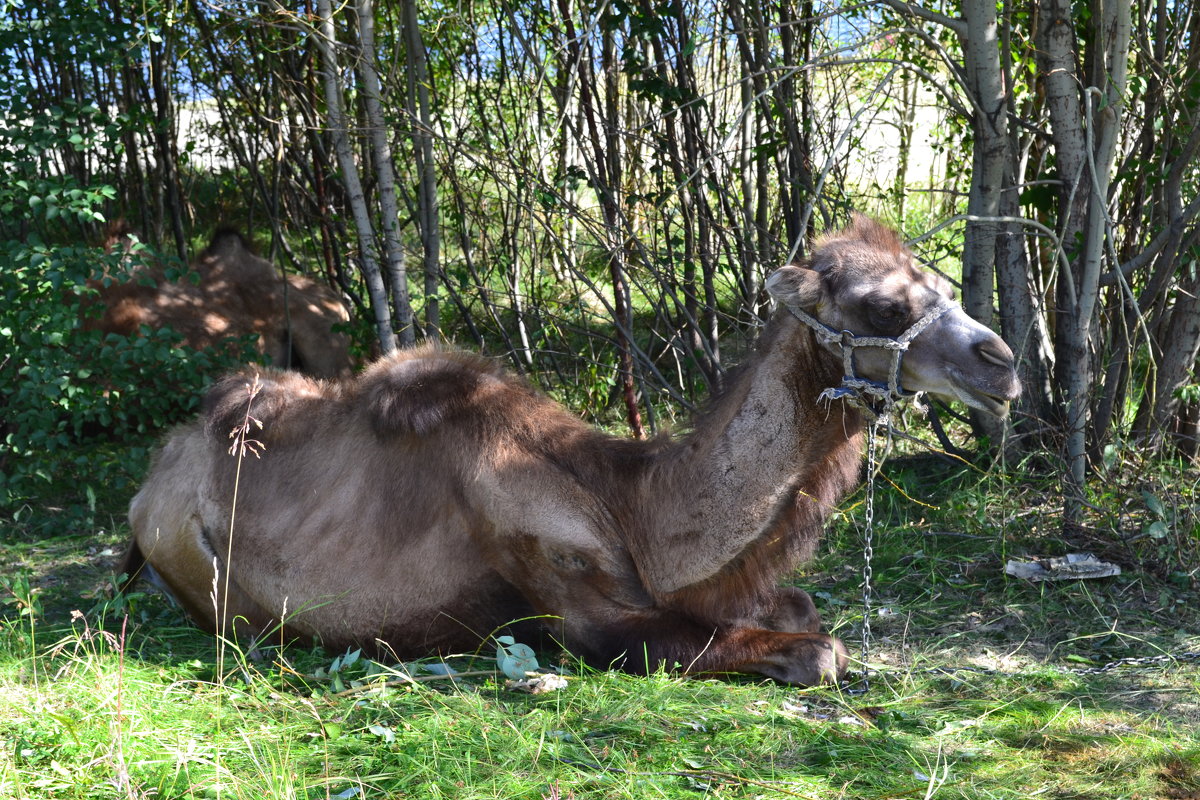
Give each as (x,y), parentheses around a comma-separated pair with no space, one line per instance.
(228,242)
(230,257)
(416,392)
(116,232)
(229,402)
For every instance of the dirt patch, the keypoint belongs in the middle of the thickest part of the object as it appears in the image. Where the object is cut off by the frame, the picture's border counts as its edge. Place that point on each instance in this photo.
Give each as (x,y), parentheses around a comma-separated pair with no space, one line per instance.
(1180,780)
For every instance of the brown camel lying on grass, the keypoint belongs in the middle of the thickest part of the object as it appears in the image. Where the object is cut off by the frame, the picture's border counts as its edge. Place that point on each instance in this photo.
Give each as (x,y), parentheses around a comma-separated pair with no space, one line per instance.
(433,500)
(239,294)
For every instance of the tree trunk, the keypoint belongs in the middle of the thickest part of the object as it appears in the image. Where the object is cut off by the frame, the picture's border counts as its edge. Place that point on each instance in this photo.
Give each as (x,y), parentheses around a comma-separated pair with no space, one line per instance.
(385,175)
(326,42)
(1058,62)
(989,123)
(991,164)
(164,136)
(427,203)
(904,130)
(1084,147)
(1180,349)
(616,244)
(317,154)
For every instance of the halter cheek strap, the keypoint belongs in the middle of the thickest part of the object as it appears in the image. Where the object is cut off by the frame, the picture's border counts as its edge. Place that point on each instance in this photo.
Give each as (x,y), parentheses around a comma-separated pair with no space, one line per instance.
(853,387)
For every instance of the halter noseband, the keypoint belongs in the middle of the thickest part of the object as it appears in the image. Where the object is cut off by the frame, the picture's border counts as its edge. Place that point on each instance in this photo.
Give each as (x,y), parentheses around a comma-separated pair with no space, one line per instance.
(855,388)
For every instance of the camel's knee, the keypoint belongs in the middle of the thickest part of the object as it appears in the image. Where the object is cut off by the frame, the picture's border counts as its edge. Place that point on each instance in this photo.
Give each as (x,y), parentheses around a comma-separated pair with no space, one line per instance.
(791,611)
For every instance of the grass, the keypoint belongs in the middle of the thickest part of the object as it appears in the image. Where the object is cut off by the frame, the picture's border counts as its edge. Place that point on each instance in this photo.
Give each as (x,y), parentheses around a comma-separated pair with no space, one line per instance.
(104,698)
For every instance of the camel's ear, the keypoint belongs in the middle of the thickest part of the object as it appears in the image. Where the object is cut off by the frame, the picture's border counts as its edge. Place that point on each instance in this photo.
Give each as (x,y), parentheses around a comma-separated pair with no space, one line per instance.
(796,286)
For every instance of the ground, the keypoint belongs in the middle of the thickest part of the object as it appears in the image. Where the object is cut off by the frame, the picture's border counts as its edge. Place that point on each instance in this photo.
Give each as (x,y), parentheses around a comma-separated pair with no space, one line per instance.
(980,688)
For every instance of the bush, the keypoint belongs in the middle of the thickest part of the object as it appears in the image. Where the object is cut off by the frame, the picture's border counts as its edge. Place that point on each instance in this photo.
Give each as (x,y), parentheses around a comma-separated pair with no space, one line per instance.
(82,408)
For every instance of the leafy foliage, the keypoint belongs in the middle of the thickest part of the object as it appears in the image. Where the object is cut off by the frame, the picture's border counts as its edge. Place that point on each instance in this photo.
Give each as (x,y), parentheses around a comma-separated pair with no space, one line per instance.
(81,409)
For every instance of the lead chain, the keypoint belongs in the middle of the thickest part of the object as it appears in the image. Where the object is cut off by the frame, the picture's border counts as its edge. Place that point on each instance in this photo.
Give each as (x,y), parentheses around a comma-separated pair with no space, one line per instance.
(869,546)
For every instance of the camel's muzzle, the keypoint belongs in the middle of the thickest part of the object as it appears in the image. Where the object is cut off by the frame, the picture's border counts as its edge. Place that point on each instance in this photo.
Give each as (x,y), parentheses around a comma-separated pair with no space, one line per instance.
(853,385)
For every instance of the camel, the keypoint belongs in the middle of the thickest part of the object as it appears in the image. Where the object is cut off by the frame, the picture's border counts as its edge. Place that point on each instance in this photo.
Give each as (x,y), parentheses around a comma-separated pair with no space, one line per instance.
(436,500)
(239,294)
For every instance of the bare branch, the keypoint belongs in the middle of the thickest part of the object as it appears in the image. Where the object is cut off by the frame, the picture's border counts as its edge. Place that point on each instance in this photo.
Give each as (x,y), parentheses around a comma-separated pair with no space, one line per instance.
(957,25)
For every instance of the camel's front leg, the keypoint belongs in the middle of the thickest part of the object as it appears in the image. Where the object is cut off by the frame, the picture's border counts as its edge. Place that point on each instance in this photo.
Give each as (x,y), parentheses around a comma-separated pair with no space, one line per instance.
(784,642)
(787,610)
(806,659)
(647,641)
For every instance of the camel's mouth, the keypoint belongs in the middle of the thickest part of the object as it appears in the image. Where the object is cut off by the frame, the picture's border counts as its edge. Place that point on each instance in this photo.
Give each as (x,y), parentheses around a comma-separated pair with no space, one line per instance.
(977,398)
(990,393)
(996,406)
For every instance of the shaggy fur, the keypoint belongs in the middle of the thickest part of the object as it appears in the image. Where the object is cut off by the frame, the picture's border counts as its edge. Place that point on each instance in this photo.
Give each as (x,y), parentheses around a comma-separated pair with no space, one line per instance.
(435,499)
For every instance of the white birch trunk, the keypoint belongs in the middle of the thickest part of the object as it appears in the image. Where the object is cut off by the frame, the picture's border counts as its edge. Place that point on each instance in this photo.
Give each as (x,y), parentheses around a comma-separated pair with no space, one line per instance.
(990,126)
(427,203)
(385,173)
(326,40)
(1084,145)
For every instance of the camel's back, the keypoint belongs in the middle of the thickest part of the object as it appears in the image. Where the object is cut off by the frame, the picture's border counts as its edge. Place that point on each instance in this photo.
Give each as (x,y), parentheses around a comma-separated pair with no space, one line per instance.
(352,497)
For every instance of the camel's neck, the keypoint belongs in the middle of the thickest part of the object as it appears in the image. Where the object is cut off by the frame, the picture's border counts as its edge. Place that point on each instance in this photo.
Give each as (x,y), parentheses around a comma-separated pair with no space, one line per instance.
(762,469)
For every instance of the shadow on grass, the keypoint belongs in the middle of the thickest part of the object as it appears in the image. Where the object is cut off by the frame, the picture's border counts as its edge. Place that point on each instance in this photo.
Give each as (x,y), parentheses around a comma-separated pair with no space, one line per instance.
(943,537)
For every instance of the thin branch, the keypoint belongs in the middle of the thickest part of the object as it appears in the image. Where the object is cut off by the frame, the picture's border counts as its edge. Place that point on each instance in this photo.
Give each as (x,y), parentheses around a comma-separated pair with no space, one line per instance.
(957,25)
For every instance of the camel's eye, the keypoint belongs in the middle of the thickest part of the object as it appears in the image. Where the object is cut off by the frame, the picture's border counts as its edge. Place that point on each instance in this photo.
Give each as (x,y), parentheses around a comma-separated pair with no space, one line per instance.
(888,318)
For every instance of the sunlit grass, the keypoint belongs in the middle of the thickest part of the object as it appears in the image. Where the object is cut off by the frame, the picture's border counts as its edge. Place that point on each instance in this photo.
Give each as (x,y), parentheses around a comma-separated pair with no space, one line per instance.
(126,700)
(105,723)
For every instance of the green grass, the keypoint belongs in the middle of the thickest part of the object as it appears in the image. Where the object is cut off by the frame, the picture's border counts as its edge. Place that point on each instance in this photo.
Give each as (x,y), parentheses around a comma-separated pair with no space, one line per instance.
(124,699)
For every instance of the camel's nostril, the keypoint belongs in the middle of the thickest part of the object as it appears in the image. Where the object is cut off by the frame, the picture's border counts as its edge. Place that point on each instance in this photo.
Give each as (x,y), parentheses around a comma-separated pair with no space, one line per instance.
(994,351)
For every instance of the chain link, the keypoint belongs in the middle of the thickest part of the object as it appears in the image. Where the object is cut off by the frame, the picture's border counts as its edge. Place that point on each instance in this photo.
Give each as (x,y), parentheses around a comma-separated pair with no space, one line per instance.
(883,419)
(869,547)
(1136,661)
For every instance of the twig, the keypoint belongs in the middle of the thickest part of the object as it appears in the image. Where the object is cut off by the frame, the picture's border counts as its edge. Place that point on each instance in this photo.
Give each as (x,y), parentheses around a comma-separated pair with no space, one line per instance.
(957,535)
(409,680)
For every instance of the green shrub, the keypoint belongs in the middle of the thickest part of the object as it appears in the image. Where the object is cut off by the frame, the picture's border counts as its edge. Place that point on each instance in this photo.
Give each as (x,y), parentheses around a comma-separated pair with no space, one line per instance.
(81,408)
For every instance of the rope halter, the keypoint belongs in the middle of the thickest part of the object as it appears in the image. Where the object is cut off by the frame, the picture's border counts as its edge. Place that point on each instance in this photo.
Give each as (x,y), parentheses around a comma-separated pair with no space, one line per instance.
(878,399)
(855,388)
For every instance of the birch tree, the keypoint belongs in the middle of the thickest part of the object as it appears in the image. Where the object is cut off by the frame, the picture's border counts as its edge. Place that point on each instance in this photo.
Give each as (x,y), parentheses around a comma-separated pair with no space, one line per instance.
(1084,126)
(326,39)
(381,151)
(421,125)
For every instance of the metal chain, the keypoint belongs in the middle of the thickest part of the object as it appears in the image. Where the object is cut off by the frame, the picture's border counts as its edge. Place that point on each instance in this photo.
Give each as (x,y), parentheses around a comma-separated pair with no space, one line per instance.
(868,551)
(1135,661)
(883,419)
(879,401)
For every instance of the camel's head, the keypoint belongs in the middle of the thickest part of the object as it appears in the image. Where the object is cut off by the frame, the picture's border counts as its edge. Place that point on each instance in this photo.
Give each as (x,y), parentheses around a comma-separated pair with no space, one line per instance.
(864,281)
